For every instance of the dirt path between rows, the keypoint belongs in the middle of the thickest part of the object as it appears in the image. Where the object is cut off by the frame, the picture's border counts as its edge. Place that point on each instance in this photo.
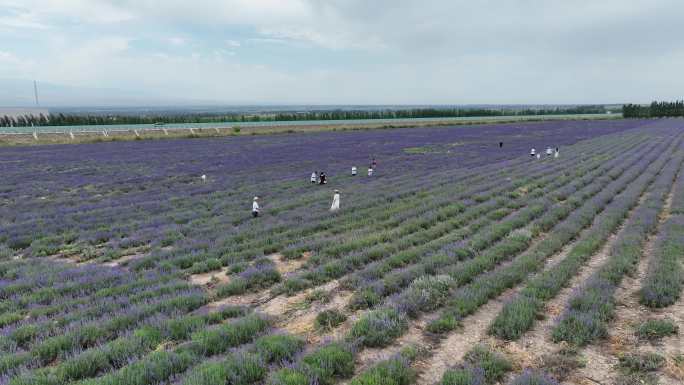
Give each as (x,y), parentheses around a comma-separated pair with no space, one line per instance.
(124,259)
(294,314)
(452,349)
(297,315)
(219,277)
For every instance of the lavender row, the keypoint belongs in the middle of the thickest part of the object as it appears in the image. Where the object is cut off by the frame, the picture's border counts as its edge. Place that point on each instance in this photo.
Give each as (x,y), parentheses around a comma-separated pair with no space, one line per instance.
(393,281)
(369,214)
(662,285)
(89,172)
(381,327)
(336,268)
(519,315)
(29,342)
(467,299)
(590,310)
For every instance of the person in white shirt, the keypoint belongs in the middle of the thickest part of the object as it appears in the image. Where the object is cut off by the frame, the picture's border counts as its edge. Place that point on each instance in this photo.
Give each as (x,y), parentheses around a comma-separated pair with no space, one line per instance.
(314,177)
(555,155)
(370,171)
(353,170)
(549,151)
(336,201)
(255,207)
(533,152)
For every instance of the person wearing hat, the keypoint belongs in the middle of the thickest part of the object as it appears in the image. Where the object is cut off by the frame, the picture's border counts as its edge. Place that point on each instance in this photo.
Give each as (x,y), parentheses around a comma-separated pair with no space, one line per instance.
(255,207)
(336,201)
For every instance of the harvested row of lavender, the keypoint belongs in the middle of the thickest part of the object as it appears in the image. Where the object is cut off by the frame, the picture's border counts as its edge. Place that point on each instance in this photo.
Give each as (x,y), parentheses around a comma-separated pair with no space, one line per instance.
(141,262)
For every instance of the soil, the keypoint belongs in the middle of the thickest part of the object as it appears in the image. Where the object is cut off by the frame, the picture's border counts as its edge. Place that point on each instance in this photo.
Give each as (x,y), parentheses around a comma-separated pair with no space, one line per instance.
(297,316)
(212,277)
(124,260)
(286,266)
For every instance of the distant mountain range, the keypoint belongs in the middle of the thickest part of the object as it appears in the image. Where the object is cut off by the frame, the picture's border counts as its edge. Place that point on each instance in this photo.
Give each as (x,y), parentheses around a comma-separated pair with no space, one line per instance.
(19,93)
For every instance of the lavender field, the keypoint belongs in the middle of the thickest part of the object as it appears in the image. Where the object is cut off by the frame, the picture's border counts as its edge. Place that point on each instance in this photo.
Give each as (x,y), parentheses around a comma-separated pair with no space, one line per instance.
(458,262)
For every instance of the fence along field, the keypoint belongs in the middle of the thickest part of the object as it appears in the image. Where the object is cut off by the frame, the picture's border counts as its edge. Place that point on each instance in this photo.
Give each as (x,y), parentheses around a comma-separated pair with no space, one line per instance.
(121,266)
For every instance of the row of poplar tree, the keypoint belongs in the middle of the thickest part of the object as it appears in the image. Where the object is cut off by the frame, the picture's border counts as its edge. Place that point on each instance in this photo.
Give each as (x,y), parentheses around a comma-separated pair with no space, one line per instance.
(61,119)
(654,110)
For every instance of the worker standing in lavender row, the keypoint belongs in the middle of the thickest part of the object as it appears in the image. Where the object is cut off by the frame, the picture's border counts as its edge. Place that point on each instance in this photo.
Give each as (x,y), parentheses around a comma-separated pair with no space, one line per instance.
(255,207)
(336,201)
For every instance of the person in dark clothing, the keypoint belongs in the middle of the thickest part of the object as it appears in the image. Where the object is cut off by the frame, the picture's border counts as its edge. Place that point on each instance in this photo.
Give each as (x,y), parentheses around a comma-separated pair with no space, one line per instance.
(500,144)
(323,178)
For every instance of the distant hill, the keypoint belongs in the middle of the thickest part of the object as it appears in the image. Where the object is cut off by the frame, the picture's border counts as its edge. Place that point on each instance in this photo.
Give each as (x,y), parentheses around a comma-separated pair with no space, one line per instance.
(18,93)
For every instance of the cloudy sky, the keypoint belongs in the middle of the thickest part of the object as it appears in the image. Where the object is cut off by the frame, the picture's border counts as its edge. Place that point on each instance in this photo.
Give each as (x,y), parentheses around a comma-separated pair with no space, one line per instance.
(351,51)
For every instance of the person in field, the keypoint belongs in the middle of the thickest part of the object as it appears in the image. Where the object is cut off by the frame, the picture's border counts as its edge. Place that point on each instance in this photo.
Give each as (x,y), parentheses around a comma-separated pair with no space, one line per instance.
(500,144)
(336,201)
(374,164)
(370,171)
(314,177)
(533,152)
(548,151)
(323,179)
(255,207)
(538,156)
(353,170)
(555,155)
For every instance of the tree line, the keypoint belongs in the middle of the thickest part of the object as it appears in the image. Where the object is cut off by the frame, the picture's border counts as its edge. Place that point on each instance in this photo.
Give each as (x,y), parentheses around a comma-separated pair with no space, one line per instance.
(61,119)
(654,110)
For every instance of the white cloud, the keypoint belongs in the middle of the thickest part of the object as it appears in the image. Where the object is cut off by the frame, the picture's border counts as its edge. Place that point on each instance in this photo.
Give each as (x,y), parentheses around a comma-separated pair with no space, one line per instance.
(21,20)
(177,41)
(50,12)
(381,51)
